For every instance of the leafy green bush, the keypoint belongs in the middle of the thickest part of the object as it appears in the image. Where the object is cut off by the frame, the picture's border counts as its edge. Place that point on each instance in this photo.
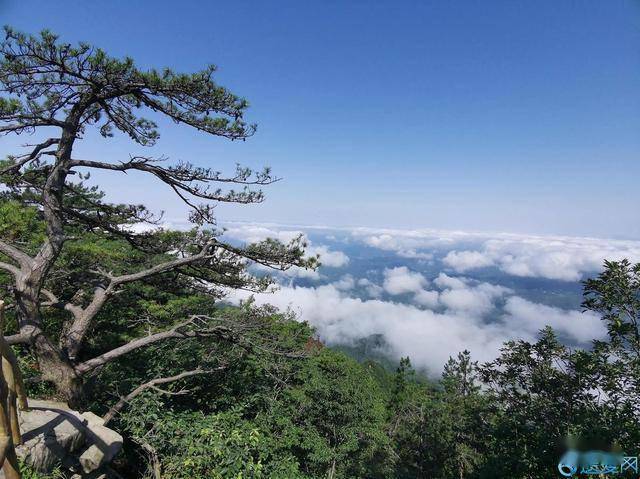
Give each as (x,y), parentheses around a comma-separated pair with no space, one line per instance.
(217,446)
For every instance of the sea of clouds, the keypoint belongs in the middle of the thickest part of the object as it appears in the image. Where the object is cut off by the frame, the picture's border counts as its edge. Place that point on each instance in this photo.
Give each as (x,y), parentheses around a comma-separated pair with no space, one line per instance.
(423,290)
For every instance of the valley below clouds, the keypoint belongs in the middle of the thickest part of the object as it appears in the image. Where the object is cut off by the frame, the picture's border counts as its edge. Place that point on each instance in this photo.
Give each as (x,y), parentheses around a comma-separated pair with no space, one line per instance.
(428,294)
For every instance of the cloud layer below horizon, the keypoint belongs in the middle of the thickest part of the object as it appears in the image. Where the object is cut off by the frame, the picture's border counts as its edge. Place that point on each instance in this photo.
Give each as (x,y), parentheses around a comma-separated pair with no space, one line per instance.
(426,302)
(553,257)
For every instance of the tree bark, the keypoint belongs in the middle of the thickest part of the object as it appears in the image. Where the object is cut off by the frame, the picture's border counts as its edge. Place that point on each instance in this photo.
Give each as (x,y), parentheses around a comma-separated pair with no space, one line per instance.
(332,471)
(33,272)
(52,364)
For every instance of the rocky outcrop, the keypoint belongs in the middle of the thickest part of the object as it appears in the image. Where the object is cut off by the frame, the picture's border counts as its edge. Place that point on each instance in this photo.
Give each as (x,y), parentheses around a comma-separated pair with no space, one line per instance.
(55,435)
(104,444)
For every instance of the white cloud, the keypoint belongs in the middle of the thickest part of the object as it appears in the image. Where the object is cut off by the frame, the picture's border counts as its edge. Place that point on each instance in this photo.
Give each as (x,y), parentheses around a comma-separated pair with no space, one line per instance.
(373,290)
(457,294)
(464,300)
(467,295)
(416,240)
(560,258)
(405,248)
(297,272)
(531,317)
(566,259)
(430,299)
(328,258)
(445,281)
(454,312)
(463,261)
(552,257)
(413,254)
(428,337)
(251,233)
(400,281)
(345,283)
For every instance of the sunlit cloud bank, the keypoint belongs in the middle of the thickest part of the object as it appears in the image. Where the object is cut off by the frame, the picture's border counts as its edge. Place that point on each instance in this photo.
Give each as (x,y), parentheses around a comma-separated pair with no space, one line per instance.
(551,257)
(420,294)
(429,337)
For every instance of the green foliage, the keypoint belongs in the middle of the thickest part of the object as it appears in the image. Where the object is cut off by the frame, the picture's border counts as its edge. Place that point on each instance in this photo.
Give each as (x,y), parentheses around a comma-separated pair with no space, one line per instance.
(216,445)
(615,294)
(514,417)
(328,416)
(193,99)
(531,385)
(21,224)
(333,417)
(439,433)
(29,473)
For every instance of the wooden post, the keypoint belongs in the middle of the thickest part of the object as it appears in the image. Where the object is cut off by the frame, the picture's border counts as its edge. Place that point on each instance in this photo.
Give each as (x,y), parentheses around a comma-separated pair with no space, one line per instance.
(11,389)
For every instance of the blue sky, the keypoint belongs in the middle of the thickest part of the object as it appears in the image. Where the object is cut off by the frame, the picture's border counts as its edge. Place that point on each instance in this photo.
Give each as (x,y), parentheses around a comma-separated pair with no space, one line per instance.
(496,116)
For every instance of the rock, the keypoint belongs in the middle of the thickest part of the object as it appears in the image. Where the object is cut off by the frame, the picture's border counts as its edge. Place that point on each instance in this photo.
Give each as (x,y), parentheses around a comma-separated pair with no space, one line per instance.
(93,419)
(54,435)
(106,443)
(51,432)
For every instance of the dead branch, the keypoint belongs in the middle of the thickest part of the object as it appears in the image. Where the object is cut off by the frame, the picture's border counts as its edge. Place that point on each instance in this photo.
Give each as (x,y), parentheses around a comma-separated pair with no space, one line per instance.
(153,384)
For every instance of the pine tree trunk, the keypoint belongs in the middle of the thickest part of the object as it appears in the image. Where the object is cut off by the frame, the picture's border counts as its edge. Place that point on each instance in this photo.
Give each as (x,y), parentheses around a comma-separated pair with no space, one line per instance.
(59,371)
(54,366)
(332,470)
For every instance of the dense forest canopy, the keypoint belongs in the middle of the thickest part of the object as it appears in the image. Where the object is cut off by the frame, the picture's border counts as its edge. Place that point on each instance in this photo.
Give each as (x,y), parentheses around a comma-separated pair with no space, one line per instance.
(128,322)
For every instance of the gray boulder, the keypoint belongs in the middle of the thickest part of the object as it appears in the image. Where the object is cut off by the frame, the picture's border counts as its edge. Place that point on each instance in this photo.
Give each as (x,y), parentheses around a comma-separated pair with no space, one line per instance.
(54,435)
(105,444)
